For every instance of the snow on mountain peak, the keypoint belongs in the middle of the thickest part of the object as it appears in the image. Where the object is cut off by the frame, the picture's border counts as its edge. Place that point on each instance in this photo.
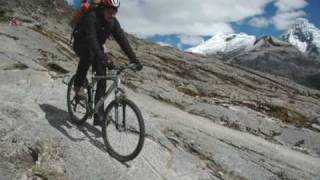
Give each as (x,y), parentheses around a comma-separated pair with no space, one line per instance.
(303,35)
(224,43)
(302,23)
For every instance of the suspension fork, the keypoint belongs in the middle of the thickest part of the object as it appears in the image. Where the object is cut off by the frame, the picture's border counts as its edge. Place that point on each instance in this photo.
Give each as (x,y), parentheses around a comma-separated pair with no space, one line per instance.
(118,104)
(117,114)
(118,95)
(124,116)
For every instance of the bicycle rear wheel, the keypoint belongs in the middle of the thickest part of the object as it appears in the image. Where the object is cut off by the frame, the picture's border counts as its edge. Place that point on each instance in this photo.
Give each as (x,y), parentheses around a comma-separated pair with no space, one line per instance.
(77,108)
(124,138)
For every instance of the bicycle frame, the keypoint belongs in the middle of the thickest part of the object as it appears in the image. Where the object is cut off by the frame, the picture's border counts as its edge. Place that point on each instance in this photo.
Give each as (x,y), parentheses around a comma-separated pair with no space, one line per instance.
(115,86)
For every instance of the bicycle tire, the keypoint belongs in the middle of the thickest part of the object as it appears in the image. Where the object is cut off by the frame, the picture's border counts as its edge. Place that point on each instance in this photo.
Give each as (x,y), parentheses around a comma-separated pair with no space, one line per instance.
(72,115)
(110,149)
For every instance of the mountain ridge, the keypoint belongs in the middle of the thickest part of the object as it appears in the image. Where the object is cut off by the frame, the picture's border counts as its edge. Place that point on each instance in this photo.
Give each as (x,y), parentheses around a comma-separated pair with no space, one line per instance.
(302,34)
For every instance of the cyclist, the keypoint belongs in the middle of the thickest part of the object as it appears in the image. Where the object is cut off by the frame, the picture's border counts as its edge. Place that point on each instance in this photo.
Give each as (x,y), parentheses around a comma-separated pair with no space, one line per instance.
(89,36)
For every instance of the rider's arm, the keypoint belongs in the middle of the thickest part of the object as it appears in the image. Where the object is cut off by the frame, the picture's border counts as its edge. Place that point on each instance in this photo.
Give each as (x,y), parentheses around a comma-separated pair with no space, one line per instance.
(120,37)
(91,35)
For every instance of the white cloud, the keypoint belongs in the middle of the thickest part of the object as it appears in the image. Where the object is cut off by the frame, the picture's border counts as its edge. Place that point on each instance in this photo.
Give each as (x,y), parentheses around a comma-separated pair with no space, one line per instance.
(259,22)
(191,40)
(71,2)
(289,5)
(144,27)
(283,20)
(193,17)
(164,44)
(288,12)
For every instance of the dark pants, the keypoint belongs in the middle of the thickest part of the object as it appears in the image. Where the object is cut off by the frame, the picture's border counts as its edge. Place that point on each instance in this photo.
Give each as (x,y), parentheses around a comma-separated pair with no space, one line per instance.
(86,59)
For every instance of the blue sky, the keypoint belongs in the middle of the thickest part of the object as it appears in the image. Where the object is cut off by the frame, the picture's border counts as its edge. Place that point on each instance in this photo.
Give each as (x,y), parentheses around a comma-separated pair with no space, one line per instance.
(184,24)
(311,10)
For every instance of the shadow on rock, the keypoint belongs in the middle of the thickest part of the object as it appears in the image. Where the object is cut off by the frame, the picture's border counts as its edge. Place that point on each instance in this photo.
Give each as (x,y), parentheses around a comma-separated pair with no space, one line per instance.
(60,120)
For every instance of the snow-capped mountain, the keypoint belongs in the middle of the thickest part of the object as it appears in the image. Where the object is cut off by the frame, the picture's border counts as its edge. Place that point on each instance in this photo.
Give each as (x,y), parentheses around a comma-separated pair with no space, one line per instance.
(225,43)
(304,35)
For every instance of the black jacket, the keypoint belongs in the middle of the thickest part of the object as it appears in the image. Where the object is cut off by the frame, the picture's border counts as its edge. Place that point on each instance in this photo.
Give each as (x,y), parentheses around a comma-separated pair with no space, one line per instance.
(93,31)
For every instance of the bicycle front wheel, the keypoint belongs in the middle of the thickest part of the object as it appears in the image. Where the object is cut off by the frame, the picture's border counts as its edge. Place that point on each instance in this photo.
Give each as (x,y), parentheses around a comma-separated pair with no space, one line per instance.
(77,108)
(123,130)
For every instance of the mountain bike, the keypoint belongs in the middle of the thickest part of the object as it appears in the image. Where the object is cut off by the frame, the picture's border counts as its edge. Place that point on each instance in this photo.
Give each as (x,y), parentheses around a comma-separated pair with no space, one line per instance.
(123,127)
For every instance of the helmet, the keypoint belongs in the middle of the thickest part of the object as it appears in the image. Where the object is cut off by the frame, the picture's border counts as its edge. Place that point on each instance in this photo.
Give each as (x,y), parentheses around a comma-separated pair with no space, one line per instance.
(112,3)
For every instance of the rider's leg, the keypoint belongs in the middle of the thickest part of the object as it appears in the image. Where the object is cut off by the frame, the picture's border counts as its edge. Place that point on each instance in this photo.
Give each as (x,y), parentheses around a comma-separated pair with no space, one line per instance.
(101,88)
(83,66)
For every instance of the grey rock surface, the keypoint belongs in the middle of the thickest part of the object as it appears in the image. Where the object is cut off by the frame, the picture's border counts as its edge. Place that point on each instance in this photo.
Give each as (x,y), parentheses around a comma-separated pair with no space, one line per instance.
(204,120)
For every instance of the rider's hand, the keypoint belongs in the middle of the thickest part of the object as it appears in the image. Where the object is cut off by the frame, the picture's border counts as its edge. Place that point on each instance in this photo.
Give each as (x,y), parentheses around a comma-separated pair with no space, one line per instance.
(106,62)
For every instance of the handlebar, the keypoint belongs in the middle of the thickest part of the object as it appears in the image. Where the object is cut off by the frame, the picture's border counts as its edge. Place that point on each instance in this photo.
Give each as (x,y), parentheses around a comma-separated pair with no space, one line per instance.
(120,69)
(116,71)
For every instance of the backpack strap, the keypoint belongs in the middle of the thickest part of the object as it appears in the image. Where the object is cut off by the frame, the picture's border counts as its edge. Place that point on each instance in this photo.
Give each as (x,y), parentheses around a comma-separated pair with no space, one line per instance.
(72,36)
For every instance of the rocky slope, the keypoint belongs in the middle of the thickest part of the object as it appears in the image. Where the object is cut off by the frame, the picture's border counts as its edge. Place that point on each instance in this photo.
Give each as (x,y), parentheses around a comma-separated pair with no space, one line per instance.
(205,119)
(277,57)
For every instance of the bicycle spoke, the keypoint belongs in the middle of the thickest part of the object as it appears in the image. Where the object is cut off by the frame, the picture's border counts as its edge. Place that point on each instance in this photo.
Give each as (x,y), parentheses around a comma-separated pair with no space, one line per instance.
(82,105)
(73,101)
(75,108)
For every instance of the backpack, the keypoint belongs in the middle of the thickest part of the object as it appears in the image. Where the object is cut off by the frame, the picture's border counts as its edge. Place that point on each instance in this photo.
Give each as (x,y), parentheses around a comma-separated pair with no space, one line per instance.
(85,7)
